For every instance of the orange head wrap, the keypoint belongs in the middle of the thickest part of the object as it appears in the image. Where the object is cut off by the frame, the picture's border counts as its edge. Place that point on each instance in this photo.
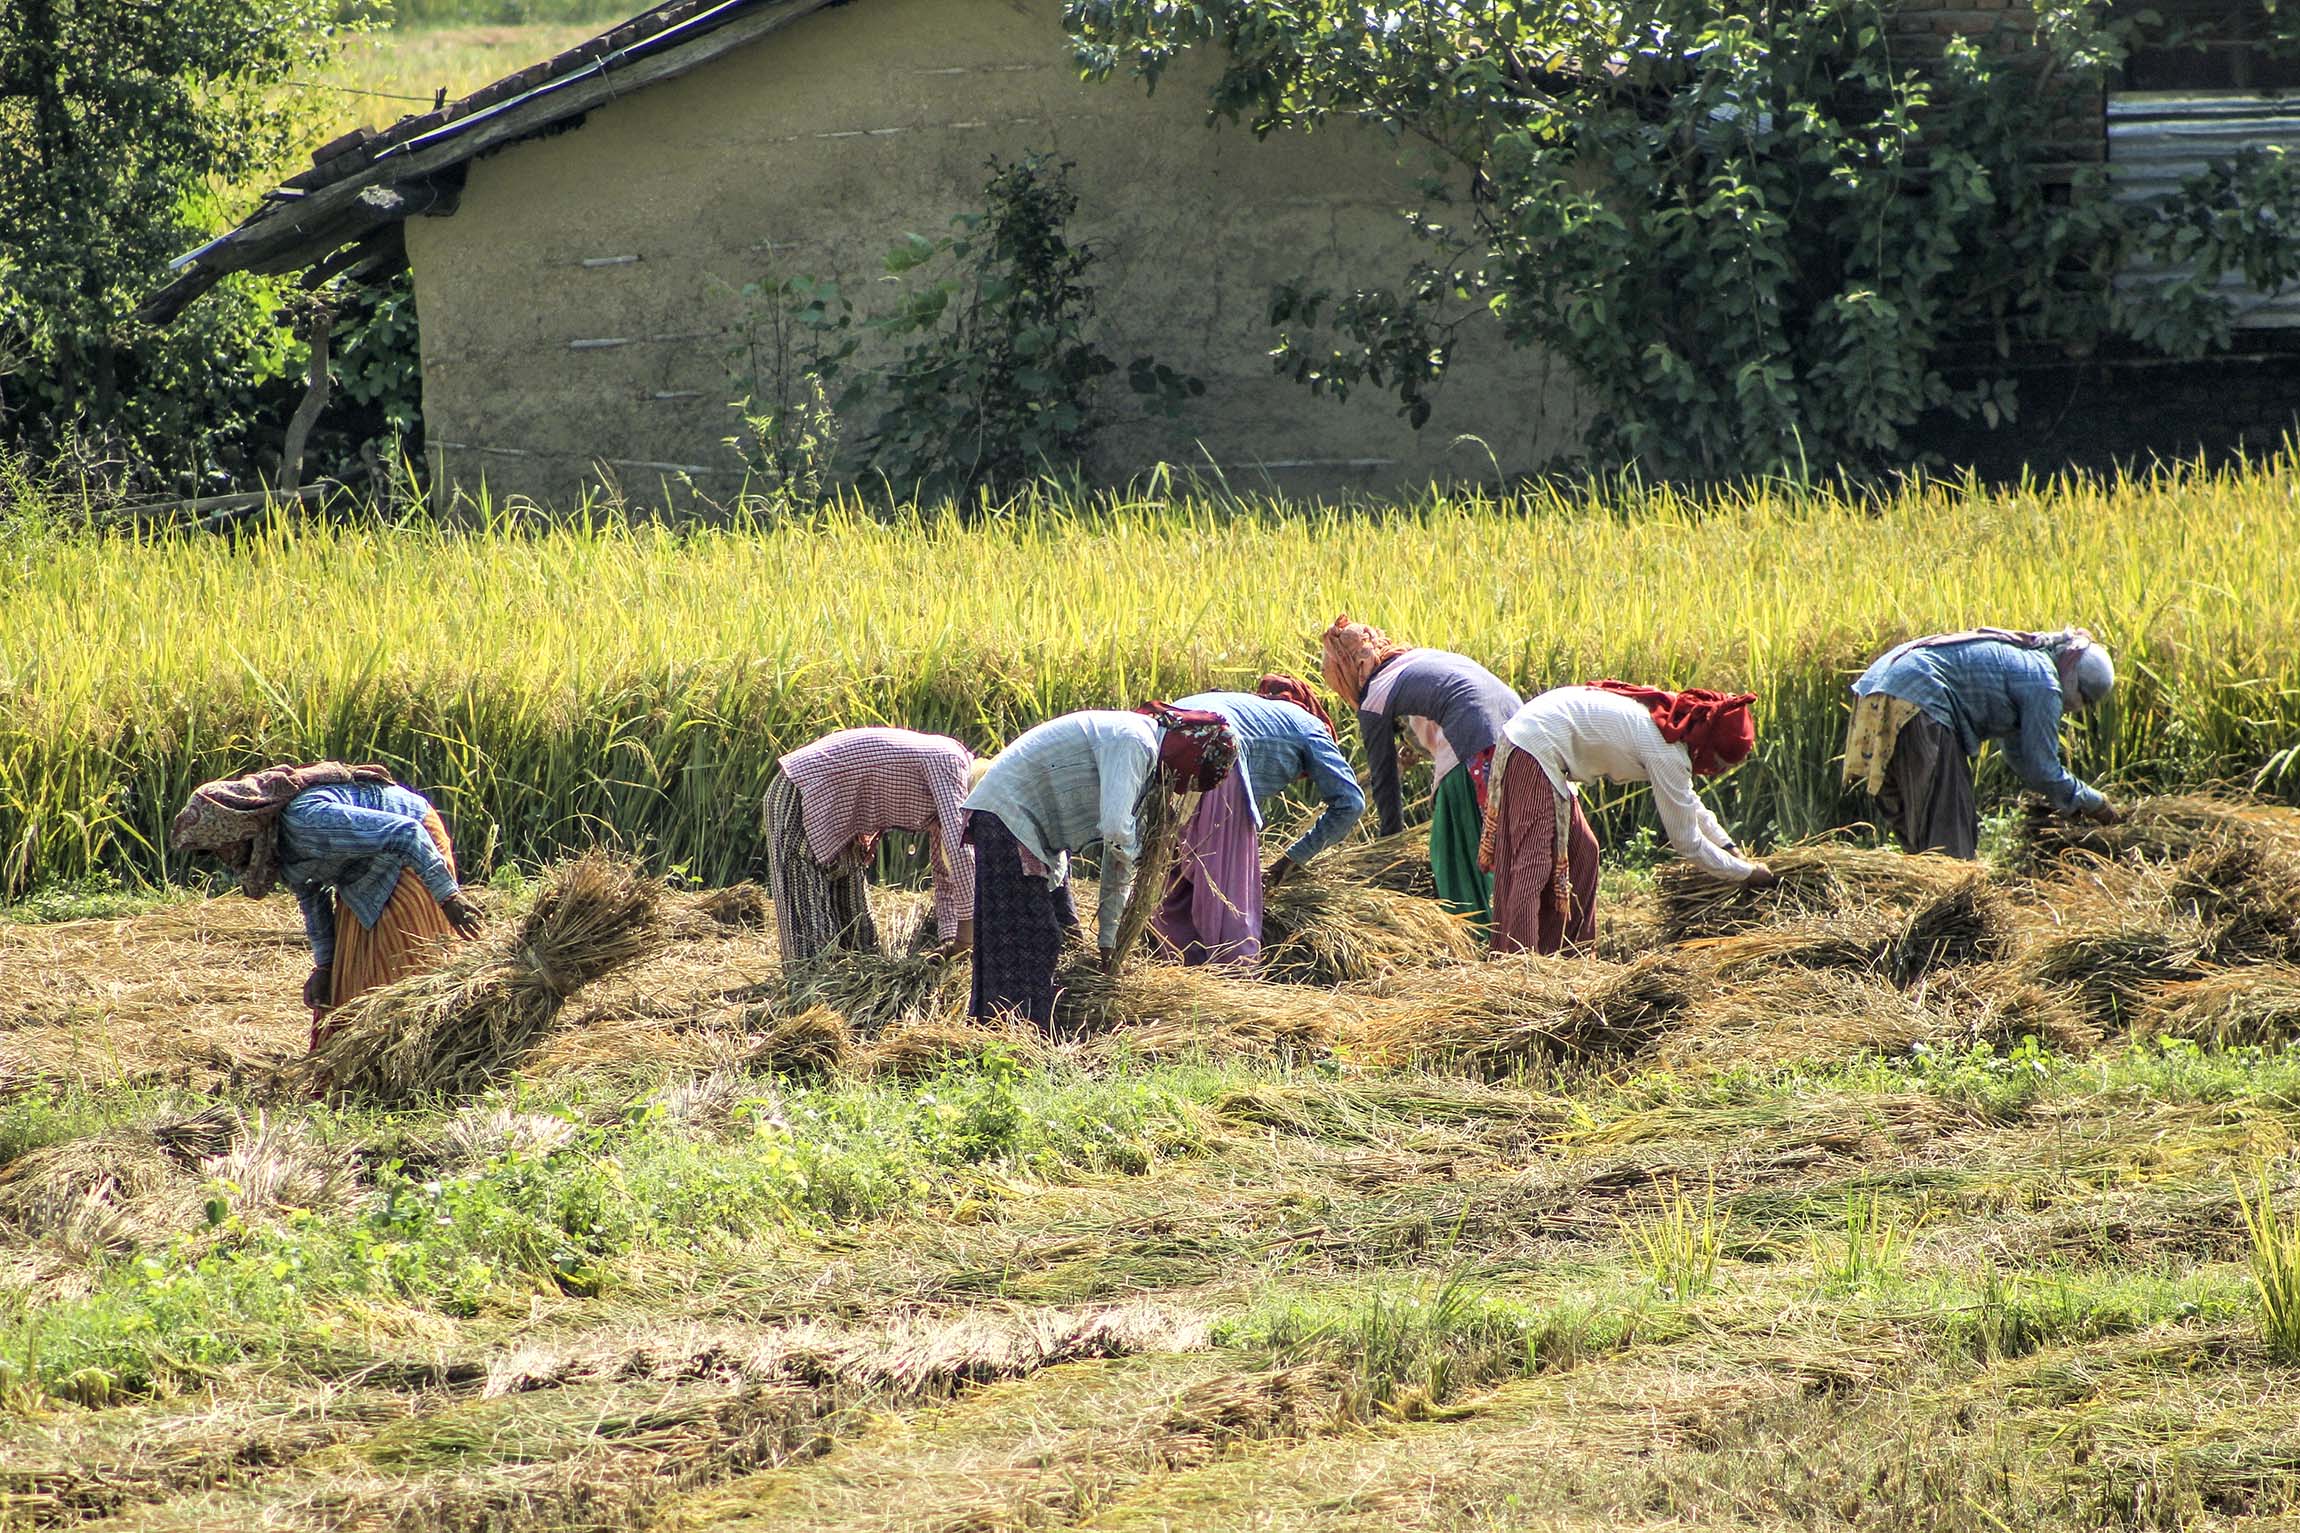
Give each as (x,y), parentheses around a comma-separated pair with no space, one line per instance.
(1351,653)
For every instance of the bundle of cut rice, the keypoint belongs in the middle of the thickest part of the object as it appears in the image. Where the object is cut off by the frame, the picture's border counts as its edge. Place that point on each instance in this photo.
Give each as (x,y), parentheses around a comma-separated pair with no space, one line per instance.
(815,1041)
(488,1003)
(1795,1016)
(1399,863)
(1822,879)
(744,905)
(2112,962)
(1161,822)
(2256,1004)
(876,991)
(2002,1003)
(1948,922)
(1319,929)
(1521,1010)
(2248,894)
(927,1047)
(1960,922)
(1164,1009)
(2165,828)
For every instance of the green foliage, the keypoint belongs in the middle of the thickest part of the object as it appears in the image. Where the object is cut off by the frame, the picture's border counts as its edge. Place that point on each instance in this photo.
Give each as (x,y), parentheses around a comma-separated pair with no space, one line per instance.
(117,123)
(378,368)
(995,378)
(1758,235)
(634,1179)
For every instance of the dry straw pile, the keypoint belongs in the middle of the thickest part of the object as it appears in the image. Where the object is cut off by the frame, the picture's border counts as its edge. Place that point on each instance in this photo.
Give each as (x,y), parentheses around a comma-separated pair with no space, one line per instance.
(1321,928)
(472,1019)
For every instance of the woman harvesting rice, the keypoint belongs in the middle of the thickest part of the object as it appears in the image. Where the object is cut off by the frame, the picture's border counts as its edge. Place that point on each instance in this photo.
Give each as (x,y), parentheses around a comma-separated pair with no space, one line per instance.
(1070,783)
(1463,706)
(1212,910)
(825,812)
(369,862)
(1538,842)
(1921,712)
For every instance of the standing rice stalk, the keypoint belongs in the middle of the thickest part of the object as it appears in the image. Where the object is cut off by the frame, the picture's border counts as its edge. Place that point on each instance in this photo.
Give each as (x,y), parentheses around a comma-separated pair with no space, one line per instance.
(1677,1245)
(2275,1255)
(470,1020)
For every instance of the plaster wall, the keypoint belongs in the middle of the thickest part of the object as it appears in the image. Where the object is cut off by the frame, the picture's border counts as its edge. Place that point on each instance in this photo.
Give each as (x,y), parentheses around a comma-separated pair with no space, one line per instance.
(576,309)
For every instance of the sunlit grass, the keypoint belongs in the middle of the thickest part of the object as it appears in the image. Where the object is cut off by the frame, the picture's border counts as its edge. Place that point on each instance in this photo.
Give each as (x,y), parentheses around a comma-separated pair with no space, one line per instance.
(601,680)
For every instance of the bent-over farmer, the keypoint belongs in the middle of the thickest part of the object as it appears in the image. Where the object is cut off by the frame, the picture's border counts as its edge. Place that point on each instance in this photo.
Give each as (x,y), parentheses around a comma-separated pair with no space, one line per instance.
(1922,711)
(825,812)
(368,861)
(1538,842)
(1212,909)
(1080,780)
(1463,707)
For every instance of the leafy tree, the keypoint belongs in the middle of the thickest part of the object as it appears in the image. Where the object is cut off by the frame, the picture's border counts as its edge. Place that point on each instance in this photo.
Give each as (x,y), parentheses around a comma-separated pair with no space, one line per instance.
(1758,234)
(985,373)
(123,129)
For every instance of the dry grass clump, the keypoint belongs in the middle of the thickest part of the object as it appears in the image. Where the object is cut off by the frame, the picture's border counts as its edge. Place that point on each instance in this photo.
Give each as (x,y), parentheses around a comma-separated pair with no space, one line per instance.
(2258,1004)
(2166,828)
(1399,863)
(815,1041)
(935,1044)
(877,991)
(489,1003)
(146,1182)
(1166,1009)
(1319,929)
(1502,1016)
(1820,880)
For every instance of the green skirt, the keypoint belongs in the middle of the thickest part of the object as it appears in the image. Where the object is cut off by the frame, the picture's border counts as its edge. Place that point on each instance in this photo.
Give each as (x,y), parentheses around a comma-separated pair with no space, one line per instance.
(1456,824)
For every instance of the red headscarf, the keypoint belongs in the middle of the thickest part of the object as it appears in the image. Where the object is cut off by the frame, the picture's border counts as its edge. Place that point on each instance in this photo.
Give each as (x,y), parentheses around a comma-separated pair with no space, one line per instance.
(1715,727)
(1282,688)
(1195,747)
(1351,653)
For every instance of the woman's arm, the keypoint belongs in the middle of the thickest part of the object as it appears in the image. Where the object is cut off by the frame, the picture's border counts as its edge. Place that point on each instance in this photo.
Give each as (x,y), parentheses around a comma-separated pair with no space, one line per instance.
(1379,731)
(1693,830)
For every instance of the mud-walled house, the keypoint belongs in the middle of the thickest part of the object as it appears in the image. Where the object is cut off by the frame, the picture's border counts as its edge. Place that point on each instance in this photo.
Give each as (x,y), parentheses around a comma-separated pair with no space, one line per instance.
(579,233)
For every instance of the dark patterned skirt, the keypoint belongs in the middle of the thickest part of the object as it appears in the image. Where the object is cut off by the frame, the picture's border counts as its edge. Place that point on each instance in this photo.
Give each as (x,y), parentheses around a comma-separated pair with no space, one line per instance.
(815,907)
(1020,925)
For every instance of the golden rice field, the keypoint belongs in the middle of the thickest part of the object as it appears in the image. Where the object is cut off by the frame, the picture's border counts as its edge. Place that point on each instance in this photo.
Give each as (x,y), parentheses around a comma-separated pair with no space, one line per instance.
(553,687)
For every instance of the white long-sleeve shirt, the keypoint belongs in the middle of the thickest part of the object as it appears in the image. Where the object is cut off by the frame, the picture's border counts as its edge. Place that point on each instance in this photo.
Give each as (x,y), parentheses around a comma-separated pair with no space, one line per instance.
(1581,734)
(1073,782)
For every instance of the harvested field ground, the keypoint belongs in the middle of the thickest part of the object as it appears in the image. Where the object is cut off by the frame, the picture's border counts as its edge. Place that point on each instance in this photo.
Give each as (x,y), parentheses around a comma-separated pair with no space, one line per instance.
(1906,1195)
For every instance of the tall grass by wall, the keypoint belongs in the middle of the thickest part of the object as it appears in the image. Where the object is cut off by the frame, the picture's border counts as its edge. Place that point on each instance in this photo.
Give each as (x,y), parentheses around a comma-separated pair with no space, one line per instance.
(550,688)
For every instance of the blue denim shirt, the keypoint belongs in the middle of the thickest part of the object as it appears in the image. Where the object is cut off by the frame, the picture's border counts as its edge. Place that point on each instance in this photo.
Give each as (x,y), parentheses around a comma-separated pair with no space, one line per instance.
(1277,743)
(352,840)
(1986,689)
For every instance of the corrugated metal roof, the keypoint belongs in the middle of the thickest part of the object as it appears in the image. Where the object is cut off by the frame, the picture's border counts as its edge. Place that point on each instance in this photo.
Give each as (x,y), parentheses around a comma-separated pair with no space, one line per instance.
(2159,139)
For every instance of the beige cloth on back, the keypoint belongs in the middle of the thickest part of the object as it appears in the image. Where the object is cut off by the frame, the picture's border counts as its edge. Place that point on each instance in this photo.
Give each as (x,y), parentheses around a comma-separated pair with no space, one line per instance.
(1878,720)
